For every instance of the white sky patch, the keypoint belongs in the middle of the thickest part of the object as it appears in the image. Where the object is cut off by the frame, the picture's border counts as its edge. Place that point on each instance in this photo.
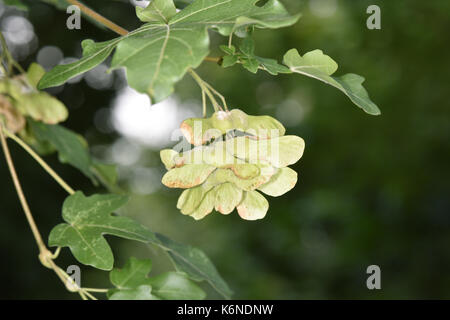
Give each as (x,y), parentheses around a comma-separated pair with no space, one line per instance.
(152,125)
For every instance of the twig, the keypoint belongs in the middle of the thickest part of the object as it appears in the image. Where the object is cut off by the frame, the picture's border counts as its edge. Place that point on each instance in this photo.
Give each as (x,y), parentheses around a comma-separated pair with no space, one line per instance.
(99,18)
(37,236)
(39,160)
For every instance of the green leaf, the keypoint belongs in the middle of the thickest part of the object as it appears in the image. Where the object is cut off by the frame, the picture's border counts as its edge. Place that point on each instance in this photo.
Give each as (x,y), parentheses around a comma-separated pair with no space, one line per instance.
(132,275)
(34,73)
(169,285)
(317,65)
(195,263)
(182,3)
(229,15)
(139,293)
(248,46)
(69,145)
(176,286)
(229,61)
(230,50)
(105,173)
(93,55)
(158,54)
(73,149)
(88,219)
(272,66)
(157,11)
(251,64)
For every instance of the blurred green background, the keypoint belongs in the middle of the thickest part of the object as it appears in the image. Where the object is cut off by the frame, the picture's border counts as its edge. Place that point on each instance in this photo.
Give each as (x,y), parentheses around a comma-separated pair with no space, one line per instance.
(371,190)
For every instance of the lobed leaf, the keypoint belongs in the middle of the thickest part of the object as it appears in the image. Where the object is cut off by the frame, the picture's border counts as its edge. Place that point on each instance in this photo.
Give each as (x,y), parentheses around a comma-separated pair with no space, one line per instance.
(88,219)
(158,54)
(133,280)
(195,263)
(73,149)
(317,65)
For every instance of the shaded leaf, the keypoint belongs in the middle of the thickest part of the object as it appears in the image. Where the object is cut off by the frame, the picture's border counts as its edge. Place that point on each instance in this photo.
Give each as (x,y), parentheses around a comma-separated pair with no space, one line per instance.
(176,286)
(195,263)
(143,292)
(169,285)
(88,219)
(73,149)
(69,145)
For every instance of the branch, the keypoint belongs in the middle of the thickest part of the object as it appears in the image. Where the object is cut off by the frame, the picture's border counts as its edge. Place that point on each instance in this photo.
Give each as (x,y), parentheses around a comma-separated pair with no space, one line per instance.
(39,160)
(114,27)
(99,18)
(37,236)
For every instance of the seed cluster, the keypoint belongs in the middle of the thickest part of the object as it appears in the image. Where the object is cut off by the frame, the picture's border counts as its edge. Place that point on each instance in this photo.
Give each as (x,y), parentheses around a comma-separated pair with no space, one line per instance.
(234,155)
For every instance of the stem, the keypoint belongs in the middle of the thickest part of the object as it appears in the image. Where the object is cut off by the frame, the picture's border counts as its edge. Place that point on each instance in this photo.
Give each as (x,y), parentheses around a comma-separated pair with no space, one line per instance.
(213,59)
(23,201)
(39,160)
(10,60)
(99,18)
(230,38)
(217,94)
(45,256)
(205,89)
(204,103)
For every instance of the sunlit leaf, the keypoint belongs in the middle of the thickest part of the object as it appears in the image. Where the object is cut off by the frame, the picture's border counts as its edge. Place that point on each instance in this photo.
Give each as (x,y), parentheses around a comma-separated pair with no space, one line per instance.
(317,65)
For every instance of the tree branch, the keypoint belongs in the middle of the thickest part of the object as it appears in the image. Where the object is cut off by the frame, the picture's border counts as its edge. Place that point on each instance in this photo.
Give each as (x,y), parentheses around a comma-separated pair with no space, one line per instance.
(99,18)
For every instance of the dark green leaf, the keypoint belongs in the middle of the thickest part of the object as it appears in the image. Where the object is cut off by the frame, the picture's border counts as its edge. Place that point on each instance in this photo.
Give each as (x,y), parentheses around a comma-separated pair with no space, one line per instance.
(71,148)
(248,46)
(195,264)
(169,285)
(88,219)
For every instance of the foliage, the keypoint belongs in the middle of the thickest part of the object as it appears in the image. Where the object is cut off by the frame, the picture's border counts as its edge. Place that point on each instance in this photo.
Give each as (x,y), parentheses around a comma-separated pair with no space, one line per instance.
(156,56)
